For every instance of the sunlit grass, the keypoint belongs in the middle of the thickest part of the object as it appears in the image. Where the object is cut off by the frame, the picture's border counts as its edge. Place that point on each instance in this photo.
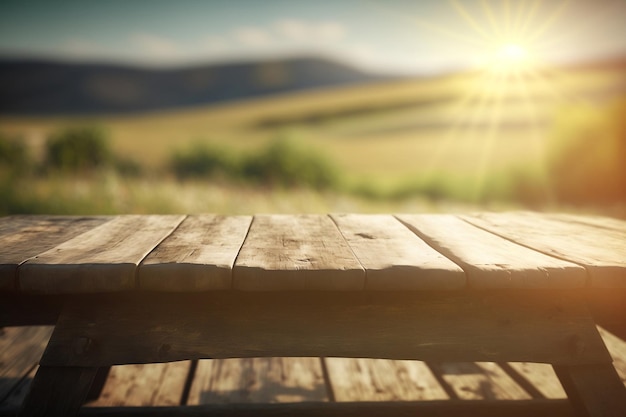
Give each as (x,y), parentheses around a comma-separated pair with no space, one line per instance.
(110,193)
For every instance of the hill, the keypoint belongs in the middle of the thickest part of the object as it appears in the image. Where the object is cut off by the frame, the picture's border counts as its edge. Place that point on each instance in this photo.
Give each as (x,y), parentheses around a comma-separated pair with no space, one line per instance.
(43,87)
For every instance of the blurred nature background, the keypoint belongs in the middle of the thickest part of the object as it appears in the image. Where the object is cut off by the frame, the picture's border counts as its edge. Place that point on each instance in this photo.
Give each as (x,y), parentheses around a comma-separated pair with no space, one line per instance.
(249,106)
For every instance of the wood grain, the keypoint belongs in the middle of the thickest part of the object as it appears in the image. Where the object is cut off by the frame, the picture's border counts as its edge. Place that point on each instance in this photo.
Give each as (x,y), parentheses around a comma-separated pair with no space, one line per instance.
(158,384)
(593,390)
(258,380)
(522,408)
(617,349)
(597,245)
(22,237)
(198,256)
(490,261)
(542,377)
(382,380)
(394,258)
(102,259)
(296,252)
(479,381)
(549,327)
(58,391)
(608,223)
(20,350)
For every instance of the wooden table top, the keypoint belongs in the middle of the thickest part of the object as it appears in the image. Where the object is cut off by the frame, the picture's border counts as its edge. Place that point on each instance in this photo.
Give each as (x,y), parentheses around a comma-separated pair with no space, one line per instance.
(338,252)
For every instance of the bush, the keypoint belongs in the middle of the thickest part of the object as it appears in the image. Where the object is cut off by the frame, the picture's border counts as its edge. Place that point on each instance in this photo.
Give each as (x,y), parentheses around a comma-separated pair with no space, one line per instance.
(587,155)
(282,163)
(204,161)
(14,155)
(287,163)
(78,149)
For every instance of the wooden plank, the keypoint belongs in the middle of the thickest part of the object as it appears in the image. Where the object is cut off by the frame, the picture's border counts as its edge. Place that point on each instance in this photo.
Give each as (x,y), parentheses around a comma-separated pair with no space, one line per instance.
(490,261)
(18,393)
(382,380)
(524,326)
(541,408)
(608,223)
(58,391)
(98,383)
(299,252)
(617,349)
(601,250)
(22,309)
(394,258)
(542,377)
(258,380)
(20,350)
(198,256)
(22,237)
(479,381)
(102,259)
(593,390)
(159,384)
(34,223)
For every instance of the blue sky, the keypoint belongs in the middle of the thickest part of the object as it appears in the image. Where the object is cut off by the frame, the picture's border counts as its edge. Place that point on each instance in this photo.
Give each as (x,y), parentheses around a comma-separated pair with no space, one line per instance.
(404,36)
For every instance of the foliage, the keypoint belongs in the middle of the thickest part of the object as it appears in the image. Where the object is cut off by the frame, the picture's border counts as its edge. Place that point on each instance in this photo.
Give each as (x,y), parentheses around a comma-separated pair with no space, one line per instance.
(78,149)
(587,155)
(285,162)
(201,160)
(14,155)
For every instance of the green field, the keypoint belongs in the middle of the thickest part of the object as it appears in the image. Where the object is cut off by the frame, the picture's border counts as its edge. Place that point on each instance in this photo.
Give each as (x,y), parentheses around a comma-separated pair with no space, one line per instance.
(460,139)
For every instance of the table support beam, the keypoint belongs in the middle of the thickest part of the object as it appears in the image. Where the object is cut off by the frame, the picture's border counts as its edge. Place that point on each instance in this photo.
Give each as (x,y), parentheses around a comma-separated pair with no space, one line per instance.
(594,390)
(58,391)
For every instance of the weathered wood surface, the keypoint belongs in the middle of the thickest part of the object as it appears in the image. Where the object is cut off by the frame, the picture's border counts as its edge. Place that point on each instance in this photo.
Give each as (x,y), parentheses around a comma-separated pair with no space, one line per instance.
(296,252)
(593,390)
(547,408)
(198,256)
(454,326)
(394,258)
(492,262)
(541,376)
(101,260)
(480,380)
(382,380)
(20,350)
(57,391)
(159,384)
(350,379)
(261,379)
(265,380)
(81,254)
(600,249)
(22,237)
(604,222)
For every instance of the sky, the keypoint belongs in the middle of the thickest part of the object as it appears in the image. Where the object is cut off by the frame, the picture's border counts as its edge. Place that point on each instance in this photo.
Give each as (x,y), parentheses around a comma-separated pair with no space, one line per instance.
(389,36)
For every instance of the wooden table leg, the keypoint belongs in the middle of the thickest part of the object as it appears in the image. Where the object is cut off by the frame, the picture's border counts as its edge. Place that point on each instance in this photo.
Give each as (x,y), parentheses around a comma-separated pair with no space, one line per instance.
(58,391)
(593,390)
(98,383)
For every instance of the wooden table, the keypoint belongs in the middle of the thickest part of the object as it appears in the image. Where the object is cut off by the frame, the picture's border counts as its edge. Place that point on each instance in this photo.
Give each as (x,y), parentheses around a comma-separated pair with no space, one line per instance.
(153,288)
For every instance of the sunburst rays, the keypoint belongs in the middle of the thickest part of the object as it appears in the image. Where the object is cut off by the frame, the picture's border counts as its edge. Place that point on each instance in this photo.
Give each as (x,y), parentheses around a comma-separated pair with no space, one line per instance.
(511,34)
(517,43)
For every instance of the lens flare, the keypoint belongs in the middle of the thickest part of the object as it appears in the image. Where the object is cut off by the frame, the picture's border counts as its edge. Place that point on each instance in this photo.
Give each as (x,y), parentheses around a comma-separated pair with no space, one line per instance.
(513,53)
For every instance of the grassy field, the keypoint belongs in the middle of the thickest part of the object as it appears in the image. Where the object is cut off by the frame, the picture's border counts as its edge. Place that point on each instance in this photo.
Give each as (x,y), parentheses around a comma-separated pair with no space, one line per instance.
(459,137)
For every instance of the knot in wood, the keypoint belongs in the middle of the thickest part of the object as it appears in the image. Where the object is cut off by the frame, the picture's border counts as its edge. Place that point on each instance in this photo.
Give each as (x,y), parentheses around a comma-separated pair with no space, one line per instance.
(164,349)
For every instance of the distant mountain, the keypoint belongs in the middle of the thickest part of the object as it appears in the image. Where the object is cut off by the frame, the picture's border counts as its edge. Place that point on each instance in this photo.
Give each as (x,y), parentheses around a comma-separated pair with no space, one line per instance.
(43,87)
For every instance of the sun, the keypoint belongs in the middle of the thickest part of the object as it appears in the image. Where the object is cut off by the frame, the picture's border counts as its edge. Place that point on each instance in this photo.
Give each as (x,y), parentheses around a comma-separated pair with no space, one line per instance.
(512,53)
(508,58)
